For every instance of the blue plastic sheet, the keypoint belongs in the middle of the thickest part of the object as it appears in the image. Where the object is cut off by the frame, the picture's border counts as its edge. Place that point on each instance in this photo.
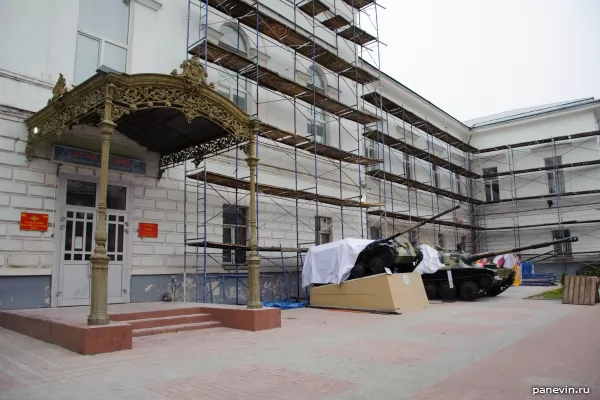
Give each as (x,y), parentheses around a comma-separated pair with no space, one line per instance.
(285,305)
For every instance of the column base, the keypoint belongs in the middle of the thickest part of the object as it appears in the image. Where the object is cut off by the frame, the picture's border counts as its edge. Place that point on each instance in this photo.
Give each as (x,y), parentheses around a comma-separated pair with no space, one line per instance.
(98,320)
(99,299)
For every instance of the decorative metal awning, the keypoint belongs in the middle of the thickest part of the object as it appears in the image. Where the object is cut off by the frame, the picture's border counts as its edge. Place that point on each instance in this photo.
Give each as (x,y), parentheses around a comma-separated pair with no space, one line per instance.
(180,116)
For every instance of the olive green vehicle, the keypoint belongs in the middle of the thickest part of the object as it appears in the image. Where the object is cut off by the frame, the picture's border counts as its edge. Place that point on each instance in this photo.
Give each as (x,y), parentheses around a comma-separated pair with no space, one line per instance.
(388,253)
(460,278)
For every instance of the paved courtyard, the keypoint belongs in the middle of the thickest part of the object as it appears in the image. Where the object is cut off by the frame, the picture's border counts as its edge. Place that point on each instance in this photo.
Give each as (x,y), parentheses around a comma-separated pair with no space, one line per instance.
(499,348)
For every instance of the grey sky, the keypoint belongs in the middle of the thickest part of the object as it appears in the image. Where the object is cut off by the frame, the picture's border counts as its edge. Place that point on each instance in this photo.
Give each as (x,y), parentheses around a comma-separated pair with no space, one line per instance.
(478,57)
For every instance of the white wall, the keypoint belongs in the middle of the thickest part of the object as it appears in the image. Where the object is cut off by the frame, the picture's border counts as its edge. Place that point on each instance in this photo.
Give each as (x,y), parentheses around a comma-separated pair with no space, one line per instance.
(42,45)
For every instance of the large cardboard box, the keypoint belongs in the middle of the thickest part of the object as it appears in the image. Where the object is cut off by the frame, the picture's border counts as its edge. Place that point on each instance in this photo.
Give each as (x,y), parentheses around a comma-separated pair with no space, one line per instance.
(395,293)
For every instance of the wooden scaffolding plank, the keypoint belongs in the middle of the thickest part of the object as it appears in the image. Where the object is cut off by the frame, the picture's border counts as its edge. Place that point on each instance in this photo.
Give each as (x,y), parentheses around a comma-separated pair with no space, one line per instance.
(235,183)
(272,80)
(400,145)
(307,144)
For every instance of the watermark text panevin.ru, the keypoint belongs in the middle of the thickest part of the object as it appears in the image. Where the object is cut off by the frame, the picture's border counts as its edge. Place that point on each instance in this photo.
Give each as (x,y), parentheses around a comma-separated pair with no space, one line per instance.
(560,390)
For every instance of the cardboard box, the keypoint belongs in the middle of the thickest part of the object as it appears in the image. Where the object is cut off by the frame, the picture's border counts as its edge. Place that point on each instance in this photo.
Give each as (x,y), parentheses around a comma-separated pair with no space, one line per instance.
(395,293)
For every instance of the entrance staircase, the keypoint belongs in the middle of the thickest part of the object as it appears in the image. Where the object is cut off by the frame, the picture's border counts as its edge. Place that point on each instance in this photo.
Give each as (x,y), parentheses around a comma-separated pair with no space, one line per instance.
(155,322)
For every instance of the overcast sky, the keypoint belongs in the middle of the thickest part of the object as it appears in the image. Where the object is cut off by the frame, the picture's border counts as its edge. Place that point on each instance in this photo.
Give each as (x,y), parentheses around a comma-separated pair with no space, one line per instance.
(472,58)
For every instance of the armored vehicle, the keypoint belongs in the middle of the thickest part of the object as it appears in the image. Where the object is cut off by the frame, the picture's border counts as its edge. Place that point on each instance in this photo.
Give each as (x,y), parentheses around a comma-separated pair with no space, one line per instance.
(388,253)
(461,278)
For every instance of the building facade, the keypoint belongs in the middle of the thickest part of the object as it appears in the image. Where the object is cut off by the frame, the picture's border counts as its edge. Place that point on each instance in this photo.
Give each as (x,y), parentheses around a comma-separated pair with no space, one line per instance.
(344,149)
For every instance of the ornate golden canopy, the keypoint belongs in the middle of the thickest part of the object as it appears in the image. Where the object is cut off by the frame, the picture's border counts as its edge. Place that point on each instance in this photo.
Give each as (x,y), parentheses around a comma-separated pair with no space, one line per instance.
(180,116)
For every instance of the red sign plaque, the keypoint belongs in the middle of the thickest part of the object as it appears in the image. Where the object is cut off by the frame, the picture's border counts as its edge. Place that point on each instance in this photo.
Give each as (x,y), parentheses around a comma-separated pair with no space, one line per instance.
(146,229)
(34,222)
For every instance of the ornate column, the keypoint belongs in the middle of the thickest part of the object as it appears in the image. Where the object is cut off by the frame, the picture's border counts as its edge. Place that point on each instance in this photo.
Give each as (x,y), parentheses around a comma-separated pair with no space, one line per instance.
(253,260)
(99,302)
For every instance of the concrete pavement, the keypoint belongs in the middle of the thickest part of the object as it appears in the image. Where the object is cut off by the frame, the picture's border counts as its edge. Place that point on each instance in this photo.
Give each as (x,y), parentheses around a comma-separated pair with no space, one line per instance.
(497,348)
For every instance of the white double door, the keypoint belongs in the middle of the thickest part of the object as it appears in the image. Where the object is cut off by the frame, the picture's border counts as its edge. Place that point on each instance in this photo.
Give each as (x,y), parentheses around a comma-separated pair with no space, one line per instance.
(79,198)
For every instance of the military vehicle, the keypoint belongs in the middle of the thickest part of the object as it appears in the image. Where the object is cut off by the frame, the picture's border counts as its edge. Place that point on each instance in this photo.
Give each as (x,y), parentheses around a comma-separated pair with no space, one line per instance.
(461,278)
(388,253)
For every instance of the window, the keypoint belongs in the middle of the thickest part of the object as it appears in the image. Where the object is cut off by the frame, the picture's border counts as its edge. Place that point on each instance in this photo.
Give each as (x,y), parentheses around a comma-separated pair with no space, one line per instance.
(315,80)
(317,130)
(375,233)
(370,152)
(233,39)
(436,175)
(492,187)
(413,238)
(463,243)
(235,93)
(102,37)
(407,166)
(441,241)
(458,181)
(322,230)
(229,85)
(555,178)
(562,249)
(235,230)
(81,193)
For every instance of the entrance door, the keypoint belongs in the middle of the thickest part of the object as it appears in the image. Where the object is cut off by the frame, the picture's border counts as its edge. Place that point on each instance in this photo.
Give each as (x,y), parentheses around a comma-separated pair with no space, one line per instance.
(77,226)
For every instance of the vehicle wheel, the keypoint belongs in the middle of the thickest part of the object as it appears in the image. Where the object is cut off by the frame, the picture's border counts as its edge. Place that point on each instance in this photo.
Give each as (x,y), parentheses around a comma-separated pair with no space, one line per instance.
(359,269)
(469,290)
(445,292)
(431,290)
(380,260)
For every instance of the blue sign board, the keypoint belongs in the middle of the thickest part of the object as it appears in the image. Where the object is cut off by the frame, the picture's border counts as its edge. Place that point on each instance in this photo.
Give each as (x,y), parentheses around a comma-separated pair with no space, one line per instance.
(84,157)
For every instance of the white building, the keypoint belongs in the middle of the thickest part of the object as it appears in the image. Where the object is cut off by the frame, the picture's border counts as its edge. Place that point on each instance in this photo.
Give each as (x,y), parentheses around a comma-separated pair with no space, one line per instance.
(421,162)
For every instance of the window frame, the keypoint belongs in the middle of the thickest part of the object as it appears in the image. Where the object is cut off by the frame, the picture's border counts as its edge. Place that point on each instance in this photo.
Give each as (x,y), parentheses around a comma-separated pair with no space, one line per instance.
(490,183)
(235,257)
(241,37)
(554,177)
(319,231)
(321,122)
(435,176)
(233,92)
(103,40)
(562,249)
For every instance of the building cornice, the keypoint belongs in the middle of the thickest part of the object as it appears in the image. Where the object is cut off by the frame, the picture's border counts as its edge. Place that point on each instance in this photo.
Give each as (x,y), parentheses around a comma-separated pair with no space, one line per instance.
(4,73)
(14,114)
(153,4)
(534,118)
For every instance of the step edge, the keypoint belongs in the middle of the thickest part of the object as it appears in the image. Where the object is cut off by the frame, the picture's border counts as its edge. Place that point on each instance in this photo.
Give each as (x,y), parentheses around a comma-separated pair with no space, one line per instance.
(167,327)
(170,317)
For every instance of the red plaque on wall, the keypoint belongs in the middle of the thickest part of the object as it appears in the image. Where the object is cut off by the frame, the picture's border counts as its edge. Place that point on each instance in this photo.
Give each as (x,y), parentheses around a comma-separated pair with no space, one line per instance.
(146,229)
(34,222)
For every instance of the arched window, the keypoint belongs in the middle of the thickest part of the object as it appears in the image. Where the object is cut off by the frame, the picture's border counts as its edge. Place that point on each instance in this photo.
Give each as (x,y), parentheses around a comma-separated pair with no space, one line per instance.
(233,39)
(315,78)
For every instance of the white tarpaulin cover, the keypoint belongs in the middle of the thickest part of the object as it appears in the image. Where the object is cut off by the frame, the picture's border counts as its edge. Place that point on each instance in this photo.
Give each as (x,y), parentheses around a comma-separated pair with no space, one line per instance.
(431,262)
(331,262)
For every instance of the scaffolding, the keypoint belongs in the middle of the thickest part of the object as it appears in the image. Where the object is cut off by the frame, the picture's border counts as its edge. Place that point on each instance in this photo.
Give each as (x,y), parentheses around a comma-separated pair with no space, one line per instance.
(296,28)
(411,182)
(486,200)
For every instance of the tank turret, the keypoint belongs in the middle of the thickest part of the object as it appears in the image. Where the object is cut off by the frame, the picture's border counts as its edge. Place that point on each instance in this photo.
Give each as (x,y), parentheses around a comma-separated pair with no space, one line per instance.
(460,277)
(388,253)
(453,258)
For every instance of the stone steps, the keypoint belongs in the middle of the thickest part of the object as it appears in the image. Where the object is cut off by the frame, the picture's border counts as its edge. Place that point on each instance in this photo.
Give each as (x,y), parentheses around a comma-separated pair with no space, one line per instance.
(170,320)
(175,328)
(154,322)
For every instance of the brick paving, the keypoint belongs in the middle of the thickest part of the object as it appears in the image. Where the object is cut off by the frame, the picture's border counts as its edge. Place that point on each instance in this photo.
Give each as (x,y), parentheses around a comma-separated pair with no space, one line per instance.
(486,350)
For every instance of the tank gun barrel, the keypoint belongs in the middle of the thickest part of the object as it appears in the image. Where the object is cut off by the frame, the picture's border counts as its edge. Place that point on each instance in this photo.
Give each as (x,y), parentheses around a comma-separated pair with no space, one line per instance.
(488,254)
(420,224)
